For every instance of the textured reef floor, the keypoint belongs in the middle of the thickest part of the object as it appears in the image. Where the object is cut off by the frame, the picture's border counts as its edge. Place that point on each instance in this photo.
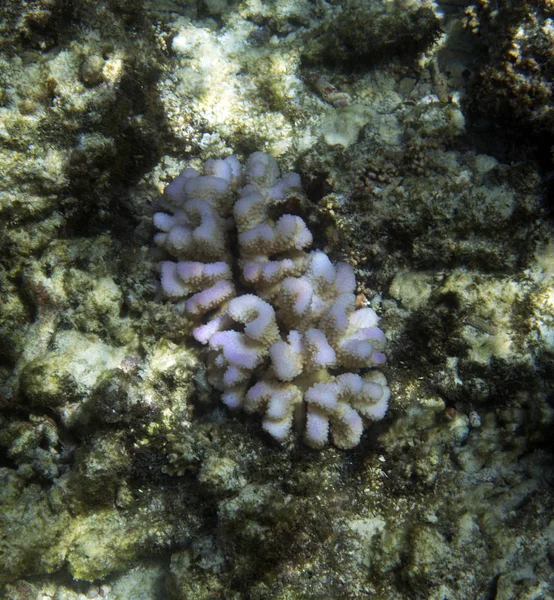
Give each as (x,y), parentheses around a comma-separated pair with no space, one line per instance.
(423,134)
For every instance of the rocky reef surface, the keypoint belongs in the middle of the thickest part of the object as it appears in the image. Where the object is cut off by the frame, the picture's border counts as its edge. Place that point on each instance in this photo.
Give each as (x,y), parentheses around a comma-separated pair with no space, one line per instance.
(422,135)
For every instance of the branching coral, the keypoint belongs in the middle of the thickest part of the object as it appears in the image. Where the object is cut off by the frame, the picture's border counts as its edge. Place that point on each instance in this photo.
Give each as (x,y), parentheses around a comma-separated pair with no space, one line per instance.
(287,349)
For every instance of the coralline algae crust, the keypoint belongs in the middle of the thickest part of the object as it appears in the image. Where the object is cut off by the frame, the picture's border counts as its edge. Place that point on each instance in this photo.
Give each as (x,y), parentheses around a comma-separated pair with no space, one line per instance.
(294,346)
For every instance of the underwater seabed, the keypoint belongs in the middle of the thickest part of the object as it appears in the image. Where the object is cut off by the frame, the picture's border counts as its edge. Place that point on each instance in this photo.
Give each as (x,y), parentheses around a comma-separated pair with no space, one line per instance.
(422,135)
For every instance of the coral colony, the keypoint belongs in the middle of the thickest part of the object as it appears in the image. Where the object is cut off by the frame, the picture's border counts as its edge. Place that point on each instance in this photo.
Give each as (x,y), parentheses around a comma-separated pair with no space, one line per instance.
(288,346)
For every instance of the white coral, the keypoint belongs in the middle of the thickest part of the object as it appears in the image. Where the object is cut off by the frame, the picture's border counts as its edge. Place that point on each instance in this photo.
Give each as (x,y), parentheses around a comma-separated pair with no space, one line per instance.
(286,345)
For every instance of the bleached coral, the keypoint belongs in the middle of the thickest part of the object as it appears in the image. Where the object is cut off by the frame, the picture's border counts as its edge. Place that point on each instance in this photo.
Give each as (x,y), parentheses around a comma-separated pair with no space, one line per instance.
(286,347)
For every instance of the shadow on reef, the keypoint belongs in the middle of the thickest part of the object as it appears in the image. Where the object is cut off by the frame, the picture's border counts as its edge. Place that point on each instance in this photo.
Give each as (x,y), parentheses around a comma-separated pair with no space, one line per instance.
(510,100)
(363,36)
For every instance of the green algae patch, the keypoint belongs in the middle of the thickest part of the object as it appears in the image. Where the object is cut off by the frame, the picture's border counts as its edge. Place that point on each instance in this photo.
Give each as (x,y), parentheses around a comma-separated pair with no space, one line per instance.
(100,468)
(35,529)
(47,382)
(44,536)
(103,542)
